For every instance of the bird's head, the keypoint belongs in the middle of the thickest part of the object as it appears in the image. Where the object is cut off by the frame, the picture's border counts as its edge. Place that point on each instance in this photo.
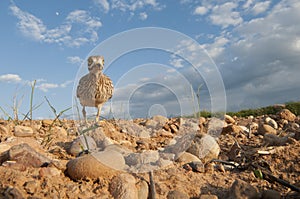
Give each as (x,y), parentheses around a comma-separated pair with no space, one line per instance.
(95,64)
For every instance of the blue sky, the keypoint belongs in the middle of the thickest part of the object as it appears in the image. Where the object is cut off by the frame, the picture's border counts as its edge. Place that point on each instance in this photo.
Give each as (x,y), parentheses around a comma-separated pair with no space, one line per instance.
(252,47)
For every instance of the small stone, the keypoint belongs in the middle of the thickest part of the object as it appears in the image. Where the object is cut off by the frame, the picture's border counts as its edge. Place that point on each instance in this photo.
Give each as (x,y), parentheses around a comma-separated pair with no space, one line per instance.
(24,154)
(31,186)
(232,129)
(151,124)
(242,190)
(271,122)
(88,167)
(187,158)
(143,189)
(14,193)
(81,144)
(47,123)
(4,147)
(177,195)
(205,148)
(161,120)
(197,166)
(265,128)
(60,131)
(49,172)
(287,115)
(228,119)
(202,120)
(3,130)
(23,131)
(204,196)
(271,194)
(235,152)
(123,187)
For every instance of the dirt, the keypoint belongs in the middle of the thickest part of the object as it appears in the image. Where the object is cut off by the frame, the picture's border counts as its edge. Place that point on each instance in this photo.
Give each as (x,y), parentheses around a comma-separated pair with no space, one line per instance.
(53,141)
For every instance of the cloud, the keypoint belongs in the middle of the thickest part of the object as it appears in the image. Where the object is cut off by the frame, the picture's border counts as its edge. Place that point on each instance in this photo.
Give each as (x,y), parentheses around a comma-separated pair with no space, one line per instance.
(260,7)
(34,28)
(143,16)
(45,87)
(200,10)
(224,15)
(10,78)
(103,4)
(74,60)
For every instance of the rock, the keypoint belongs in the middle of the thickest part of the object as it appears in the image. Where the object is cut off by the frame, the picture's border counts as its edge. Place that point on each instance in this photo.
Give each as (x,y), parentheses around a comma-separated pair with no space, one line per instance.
(242,190)
(47,123)
(142,158)
(81,144)
(208,197)
(151,124)
(23,131)
(123,187)
(235,152)
(88,167)
(204,147)
(228,119)
(215,127)
(177,195)
(31,186)
(4,147)
(14,193)
(197,166)
(111,158)
(143,189)
(265,128)
(133,129)
(202,120)
(3,130)
(287,115)
(232,129)
(270,194)
(274,140)
(60,131)
(49,172)
(24,154)
(187,158)
(271,122)
(161,120)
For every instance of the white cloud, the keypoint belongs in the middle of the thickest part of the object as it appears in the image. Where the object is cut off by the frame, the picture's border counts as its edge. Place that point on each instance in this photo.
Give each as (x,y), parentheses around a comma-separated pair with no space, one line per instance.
(200,10)
(10,78)
(103,4)
(143,15)
(260,7)
(46,86)
(224,15)
(34,28)
(74,60)
(248,4)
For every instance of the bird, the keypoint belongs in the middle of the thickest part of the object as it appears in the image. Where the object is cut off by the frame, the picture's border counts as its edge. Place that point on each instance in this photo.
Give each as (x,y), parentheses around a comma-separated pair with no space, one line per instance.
(95,88)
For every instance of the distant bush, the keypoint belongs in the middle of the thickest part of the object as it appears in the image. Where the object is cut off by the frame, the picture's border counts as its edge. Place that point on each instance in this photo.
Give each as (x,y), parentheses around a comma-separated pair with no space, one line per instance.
(294,107)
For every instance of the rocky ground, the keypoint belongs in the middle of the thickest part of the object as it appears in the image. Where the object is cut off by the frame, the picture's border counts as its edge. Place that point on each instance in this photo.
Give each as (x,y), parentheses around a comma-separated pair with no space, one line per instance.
(204,158)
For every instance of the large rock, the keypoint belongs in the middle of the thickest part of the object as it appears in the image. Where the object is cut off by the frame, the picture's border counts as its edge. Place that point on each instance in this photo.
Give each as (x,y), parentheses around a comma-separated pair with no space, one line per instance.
(228,119)
(204,147)
(27,156)
(23,131)
(242,190)
(88,167)
(175,194)
(232,129)
(287,115)
(123,187)
(187,158)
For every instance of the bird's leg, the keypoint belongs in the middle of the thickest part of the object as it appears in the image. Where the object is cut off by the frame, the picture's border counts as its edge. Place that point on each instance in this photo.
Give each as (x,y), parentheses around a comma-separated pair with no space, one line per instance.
(98,112)
(84,114)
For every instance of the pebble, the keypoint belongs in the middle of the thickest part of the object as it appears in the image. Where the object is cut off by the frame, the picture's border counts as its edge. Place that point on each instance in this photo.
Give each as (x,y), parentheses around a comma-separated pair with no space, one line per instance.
(47,123)
(24,154)
(175,194)
(13,193)
(3,130)
(143,189)
(23,131)
(88,167)
(123,186)
(161,120)
(49,172)
(232,129)
(271,122)
(274,140)
(4,147)
(205,196)
(228,119)
(79,145)
(270,194)
(265,128)
(242,190)
(205,148)
(31,186)
(187,158)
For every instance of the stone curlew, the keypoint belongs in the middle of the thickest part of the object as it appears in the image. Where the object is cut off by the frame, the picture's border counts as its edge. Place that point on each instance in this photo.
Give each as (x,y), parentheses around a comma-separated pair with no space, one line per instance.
(95,88)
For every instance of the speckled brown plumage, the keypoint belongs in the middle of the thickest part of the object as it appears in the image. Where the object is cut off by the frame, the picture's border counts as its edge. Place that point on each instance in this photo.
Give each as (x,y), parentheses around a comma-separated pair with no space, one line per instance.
(95,88)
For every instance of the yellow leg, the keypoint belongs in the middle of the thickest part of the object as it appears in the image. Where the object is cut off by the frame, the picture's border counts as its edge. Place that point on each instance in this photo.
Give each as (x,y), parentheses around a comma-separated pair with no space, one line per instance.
(98,112)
